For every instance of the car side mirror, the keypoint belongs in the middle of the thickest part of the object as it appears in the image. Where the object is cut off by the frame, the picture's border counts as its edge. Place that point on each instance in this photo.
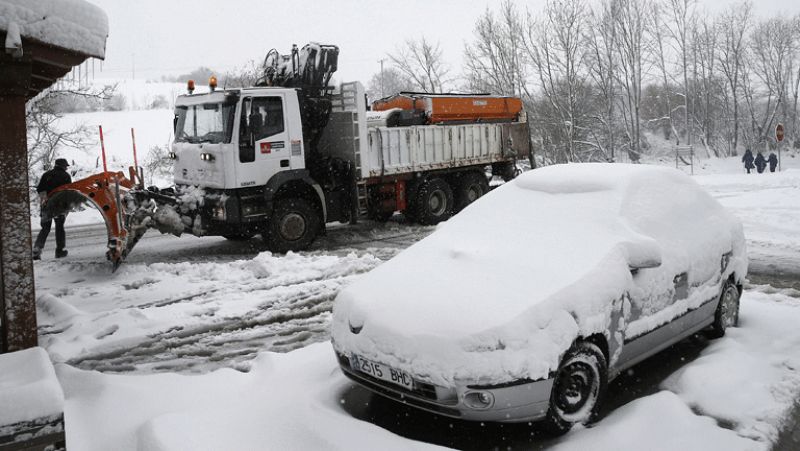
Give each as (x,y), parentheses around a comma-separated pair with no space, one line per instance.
(643,254)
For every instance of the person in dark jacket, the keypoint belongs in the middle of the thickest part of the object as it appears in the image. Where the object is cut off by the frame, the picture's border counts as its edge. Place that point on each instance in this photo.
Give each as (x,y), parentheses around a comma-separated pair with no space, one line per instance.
(51,180)
(761,162)
(747,159)
(773,161)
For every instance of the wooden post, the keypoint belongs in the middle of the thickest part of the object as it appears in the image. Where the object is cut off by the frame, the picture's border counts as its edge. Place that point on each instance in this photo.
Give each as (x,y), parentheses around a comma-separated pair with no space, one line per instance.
(17,298)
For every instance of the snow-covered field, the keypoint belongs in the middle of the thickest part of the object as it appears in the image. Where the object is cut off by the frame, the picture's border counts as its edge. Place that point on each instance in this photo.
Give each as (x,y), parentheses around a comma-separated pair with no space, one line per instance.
(226,317)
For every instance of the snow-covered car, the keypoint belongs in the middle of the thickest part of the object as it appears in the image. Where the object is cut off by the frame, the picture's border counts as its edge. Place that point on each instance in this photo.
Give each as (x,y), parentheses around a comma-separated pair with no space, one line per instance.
(526,304)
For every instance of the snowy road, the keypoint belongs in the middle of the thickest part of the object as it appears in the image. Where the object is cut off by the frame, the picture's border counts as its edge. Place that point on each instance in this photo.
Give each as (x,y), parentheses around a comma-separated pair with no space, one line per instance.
(207,303)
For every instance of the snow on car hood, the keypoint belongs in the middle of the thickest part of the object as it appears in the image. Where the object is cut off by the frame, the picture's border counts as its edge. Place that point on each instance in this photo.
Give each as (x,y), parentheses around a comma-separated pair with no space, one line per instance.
(503,288)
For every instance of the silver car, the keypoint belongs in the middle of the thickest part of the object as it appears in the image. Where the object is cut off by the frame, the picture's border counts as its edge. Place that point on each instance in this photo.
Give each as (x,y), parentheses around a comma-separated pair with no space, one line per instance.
(527,303)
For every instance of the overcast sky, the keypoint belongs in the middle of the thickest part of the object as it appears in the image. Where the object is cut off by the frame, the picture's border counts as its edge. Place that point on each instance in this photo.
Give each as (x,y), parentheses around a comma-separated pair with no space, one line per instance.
(176,36)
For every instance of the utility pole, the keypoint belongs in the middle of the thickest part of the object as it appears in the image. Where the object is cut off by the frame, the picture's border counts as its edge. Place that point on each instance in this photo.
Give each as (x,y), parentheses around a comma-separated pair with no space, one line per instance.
(381,61)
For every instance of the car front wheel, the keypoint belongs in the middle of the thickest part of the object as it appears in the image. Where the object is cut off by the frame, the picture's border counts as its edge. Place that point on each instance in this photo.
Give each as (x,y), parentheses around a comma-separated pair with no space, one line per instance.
(727,314)
(578,388)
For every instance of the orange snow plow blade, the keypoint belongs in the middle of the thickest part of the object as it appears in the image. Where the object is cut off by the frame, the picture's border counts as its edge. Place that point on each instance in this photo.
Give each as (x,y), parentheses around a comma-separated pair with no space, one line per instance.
(105,191)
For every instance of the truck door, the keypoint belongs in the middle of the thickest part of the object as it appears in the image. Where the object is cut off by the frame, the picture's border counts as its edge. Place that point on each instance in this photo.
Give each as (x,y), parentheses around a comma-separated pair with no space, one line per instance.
(264,149)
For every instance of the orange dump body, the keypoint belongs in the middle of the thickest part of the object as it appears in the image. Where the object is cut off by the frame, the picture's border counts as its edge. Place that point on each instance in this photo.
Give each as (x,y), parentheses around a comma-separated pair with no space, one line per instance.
(455,108)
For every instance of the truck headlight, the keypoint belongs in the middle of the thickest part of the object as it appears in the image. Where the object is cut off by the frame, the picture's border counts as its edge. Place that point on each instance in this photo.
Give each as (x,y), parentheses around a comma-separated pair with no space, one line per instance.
(173,156)
(207,157)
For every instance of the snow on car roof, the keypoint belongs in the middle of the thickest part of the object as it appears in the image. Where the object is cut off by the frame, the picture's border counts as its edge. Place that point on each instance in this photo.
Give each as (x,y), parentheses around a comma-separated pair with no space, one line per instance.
(69,24)
(532,261)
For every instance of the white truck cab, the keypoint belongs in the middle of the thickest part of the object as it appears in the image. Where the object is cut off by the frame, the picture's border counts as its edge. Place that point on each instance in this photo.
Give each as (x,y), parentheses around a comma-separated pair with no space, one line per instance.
(237,138)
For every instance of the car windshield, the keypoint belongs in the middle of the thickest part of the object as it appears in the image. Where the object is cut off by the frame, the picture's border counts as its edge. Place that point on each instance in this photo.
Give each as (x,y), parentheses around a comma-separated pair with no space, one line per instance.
(204,123)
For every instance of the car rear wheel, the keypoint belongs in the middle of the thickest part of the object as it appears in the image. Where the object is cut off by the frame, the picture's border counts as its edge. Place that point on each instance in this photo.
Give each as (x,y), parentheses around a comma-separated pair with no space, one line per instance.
(578,388)
(727,314)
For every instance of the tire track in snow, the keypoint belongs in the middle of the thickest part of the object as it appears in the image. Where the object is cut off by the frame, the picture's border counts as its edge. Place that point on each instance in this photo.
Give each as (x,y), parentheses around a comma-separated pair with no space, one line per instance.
(291,320)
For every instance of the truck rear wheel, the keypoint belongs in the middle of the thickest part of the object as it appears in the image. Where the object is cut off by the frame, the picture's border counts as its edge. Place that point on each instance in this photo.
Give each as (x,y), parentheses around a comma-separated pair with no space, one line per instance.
(433,202)
(470,187)
(293,225)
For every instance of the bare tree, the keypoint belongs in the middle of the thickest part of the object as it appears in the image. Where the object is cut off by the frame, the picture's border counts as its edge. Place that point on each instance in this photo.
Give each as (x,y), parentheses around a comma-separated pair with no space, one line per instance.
(601,40)
(660,48)
(733,27)
(243,76)
(772,46)
(47,136)
(632,45)
(680,29)
(390,82)
(495,60)
(707,86)
(423,64)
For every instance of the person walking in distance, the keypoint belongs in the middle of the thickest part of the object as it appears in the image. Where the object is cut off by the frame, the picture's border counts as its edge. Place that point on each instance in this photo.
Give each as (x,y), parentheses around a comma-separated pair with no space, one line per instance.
(773,161)
(52,179)
(761,163)
(747,159)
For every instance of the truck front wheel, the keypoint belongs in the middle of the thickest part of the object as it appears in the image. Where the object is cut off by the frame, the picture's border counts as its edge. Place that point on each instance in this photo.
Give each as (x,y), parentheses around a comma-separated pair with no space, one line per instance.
(293,225)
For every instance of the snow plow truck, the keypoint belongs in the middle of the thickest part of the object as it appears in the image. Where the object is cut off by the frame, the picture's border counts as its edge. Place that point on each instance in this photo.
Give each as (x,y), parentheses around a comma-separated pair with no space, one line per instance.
(292,153)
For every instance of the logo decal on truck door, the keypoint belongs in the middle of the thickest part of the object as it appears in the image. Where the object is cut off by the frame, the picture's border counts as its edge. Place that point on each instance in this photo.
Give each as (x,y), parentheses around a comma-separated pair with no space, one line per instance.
(268,147)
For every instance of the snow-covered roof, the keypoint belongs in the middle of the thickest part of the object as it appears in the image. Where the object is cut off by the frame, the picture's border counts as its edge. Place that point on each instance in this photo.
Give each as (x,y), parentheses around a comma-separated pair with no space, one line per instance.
(74,25)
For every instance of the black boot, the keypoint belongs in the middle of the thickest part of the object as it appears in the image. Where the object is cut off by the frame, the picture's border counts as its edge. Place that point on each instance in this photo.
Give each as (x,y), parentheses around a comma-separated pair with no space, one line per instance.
(61,253)
(37,253)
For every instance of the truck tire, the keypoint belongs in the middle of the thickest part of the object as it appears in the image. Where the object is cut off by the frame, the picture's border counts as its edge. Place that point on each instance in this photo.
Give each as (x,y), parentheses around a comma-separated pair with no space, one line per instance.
(293,225)
(433,202)
(469,188)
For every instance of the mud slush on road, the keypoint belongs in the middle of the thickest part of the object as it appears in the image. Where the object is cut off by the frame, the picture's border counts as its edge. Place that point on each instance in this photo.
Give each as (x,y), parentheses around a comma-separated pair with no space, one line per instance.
(292,154)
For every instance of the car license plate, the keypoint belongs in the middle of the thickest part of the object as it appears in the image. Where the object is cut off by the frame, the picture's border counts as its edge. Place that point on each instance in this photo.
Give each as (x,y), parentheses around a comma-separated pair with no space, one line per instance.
(381,371)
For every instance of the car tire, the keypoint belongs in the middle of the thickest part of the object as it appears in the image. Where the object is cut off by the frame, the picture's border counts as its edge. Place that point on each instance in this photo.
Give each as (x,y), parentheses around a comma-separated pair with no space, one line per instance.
(727,313)
(578,388)
(469,188)
(433,202)
(293,225)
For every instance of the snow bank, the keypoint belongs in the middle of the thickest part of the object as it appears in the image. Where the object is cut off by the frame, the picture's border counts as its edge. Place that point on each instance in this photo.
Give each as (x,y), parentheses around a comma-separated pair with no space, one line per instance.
(501,290)
(750,379)
(285,402)
(28,387)
(660,422)
(69,24)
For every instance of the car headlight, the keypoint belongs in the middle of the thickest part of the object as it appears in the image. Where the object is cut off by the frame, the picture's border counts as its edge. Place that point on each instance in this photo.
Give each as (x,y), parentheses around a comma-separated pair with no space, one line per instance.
(207,157)
(173,156)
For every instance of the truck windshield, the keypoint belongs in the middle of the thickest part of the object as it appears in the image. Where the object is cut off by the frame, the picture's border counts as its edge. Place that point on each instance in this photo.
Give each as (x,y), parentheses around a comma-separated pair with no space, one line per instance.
(204,123)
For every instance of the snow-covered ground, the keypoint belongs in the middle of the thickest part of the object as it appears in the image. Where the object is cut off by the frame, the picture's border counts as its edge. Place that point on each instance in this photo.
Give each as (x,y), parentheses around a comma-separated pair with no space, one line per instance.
(212,312)
(225,315)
